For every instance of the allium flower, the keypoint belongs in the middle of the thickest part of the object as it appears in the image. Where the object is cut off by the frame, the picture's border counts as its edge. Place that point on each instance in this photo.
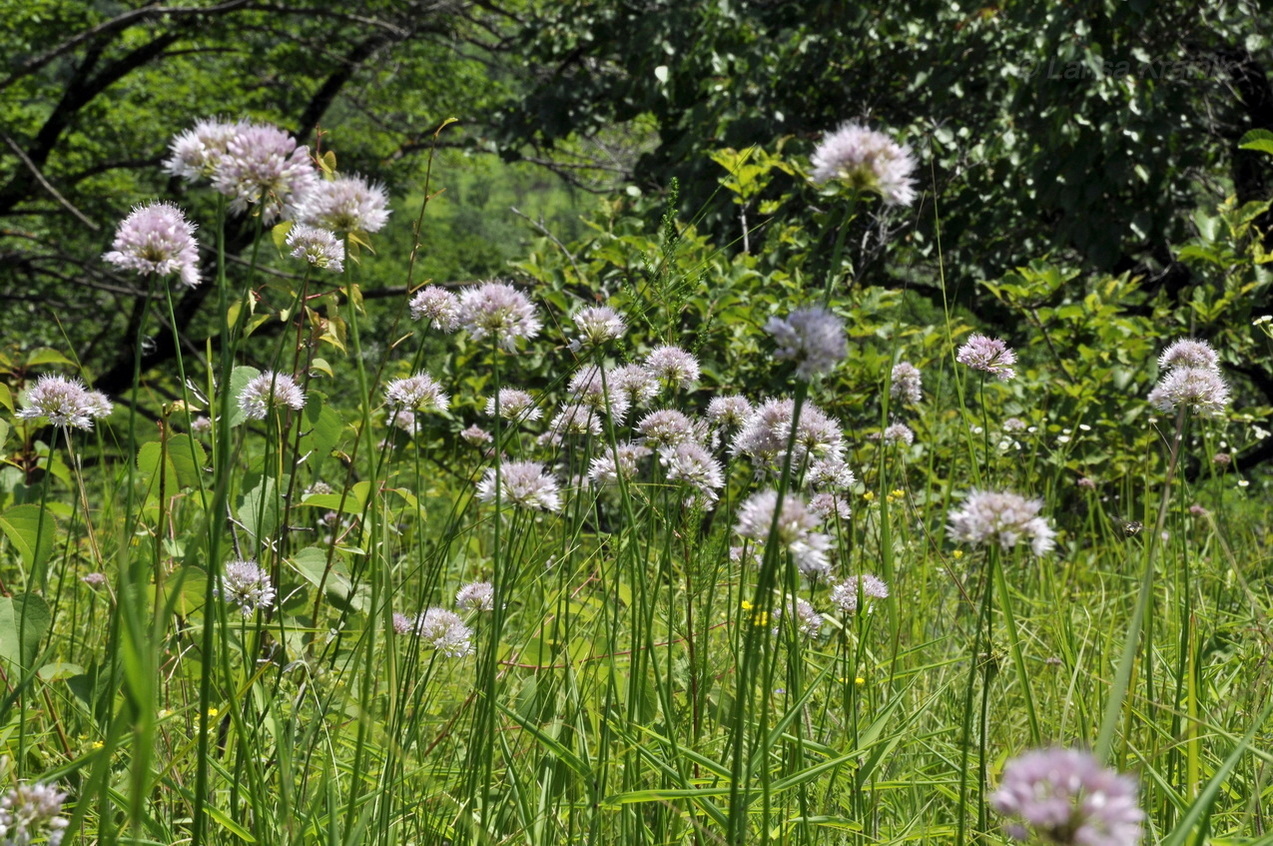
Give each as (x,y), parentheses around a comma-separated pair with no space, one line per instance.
(201,425)
(1002,517)
(197,152)
(402,624)
(246,585)
(523,484)
(514,404)
(65,402)
(416,393)
(94,579)
(319,247)
(597,325)
(445,632)
(344,204)
(476,435)
(476,596)
(691,463)
(868,161)
(572,419)
(665,427)
(764,435)
(906,383)
(830,505)
(589,388)
(848,594)
(30,813)
(729,410)
(269,391)
(157,239)
(990,355)
(263,166)
(634,382)
(438,307)
(812,337)
(672,366)
(1192,380)
(1065,796)
(1015,424)
(899,433)
(499,310)
(604,469)
(1188,352)
(831,471)
(808,622)
(794,531)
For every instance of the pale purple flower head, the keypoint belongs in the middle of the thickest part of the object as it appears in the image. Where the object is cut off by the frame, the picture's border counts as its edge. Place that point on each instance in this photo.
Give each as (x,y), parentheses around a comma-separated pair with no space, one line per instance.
(764,435)
(812,337)
(634,382)
(476,596)
(246,585)
(1065,796)
(476,435)
(808,622)
(848,595)
(1201,390)
(898,433)
(830,506)
(514,404)
(499,310)
(588,388)
(94,579)
(794,531)
(263,166)
(436,306)
(416,393)
(830,472)
(445,631)
(672,366)
(344,204)
(1188,352)
(320,247)
(31,813)
(402,624)
(989,355)
(1001,517)
(597,325)
(906,387)
(665,427)
(65,402)
(606,470)
(522,484)
(728,411)
(868,161)
(157,239)
(691,463)
(268,391)
(197,152)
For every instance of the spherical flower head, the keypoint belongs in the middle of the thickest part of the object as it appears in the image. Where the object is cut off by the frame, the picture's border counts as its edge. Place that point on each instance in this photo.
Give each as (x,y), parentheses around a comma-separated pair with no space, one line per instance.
(1002,517)
(476,596)
(416,393)
(764,435)
(514,404)
(1065,796)
(262,166)
(794,531)
(634,382)
(906,387)
(665,427)
(672,366)
(344,204)
(1201,390)
(498,310)
(65,402)
(867,161)
(728,411)
(830,506)
(522,484)
(30,813)
(691,463)
(269,391)
(848,595)
(1188,352)
(157,238)
(247,586)
(989,355)
(807,621)
(812,337)
(477,436)
(197,152)
(402,624)
(438,307)
(606,468)
(898,433)
(320,247)
(830,472)
(597,325)
(445,631)
(591,388)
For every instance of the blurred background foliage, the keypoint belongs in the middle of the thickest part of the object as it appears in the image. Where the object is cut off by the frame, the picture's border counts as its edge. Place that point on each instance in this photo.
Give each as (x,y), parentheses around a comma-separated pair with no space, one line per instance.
(1083,181)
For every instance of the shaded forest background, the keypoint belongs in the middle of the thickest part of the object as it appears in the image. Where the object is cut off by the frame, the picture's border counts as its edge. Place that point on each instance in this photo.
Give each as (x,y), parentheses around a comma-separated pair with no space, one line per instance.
(1087,134)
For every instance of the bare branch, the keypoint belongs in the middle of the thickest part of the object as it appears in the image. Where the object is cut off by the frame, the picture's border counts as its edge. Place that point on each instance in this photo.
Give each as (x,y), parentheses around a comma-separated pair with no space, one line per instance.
(48,186)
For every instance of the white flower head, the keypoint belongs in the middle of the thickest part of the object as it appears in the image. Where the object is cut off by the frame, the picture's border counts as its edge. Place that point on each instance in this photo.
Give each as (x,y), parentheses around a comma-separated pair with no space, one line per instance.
(867,161)
(812,337)
(268,391)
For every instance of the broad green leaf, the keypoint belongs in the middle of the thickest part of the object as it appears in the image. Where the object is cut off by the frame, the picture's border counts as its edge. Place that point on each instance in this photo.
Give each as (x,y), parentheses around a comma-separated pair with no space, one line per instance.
(24,621)
(30,530)
(6,397)
(239,379)
(261,508)
(323,425)
(1257,139)
(46,355)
